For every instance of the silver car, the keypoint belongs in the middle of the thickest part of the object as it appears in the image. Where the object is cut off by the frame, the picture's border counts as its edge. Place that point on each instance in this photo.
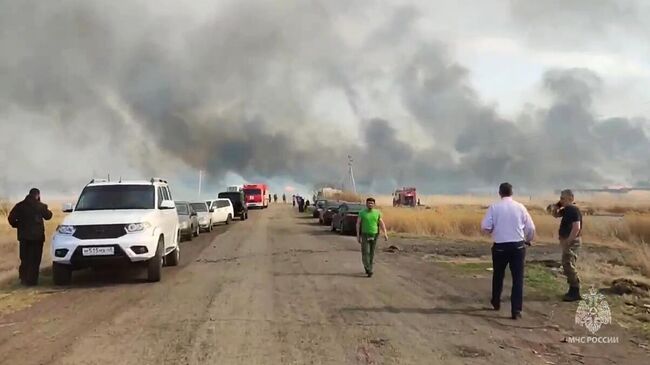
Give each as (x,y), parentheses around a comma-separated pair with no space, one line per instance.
(204,215)
(188,221)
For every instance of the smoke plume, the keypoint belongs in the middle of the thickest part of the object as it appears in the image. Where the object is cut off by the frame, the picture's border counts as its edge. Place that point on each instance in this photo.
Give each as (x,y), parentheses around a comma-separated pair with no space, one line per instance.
(279,90)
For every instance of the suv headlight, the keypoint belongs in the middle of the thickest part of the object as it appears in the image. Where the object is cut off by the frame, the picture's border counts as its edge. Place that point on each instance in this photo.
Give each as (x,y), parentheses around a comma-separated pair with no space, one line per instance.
(66,230)
(137,227)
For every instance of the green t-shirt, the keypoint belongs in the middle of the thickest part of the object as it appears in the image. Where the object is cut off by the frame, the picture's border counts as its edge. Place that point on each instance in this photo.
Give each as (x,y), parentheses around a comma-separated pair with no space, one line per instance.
(369,221)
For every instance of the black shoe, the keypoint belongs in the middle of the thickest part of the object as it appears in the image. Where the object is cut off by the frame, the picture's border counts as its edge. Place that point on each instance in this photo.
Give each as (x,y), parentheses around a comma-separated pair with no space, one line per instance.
(573,295)
(516,315)
(496,305)
(369,274)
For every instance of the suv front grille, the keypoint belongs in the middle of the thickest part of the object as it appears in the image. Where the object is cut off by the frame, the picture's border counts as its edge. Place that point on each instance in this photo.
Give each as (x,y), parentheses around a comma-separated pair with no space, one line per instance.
(100,231)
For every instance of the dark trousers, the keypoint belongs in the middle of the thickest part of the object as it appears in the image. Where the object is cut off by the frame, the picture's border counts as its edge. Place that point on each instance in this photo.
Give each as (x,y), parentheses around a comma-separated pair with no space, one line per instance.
(511,254)
(30,261)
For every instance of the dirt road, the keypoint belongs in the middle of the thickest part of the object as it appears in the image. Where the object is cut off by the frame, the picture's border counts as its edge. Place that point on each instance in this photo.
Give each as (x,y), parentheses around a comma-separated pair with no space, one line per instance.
(279,289)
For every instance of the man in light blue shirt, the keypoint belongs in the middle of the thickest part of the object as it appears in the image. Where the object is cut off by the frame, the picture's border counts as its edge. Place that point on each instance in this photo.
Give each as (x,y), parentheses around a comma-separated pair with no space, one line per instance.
(511,228)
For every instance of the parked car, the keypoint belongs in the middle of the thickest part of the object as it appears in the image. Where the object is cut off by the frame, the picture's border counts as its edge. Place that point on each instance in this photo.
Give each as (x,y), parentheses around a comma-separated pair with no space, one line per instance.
(222,211)
(331,208)
(188,221)
(238,201)
(115,224)
(318,206)
(345,221)
(204,215)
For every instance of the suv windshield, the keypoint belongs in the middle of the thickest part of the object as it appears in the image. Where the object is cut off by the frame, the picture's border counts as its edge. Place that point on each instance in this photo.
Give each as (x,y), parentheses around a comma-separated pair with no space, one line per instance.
(181,209)
(199,207)
(112,197)
(230,196)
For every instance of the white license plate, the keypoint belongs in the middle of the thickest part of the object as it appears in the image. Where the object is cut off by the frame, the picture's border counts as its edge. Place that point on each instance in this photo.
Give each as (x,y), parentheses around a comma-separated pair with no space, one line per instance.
(98,251)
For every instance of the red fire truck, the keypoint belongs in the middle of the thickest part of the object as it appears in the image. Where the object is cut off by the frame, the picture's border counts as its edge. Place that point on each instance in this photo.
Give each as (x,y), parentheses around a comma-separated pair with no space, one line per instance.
(256,195)
(404,197)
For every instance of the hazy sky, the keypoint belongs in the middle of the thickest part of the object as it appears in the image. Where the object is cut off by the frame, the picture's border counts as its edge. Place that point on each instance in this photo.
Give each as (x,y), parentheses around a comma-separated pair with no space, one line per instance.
(445,95)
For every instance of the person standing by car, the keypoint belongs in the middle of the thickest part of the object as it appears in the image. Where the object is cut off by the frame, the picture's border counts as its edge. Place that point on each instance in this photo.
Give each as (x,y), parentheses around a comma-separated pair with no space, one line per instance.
(369,223)
(512,228)
(570,241)
(284,198)
(27,217)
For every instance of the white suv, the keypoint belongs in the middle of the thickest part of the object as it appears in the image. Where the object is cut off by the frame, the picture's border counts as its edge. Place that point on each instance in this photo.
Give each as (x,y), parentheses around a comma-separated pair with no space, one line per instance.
(222,210)
(118,222)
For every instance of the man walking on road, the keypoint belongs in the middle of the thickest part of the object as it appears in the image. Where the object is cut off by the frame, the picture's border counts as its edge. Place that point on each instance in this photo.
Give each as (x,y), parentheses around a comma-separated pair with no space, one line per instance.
(512,228)
(368,224)
(284,198)
(27,217)
(275,198)
(570,241)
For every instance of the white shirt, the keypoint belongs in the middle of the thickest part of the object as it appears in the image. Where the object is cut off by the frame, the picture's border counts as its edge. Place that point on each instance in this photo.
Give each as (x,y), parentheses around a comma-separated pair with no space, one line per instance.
(508,221)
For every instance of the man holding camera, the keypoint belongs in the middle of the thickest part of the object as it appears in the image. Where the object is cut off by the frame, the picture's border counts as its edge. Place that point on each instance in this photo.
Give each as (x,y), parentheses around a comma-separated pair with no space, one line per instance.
(570,240)
(27,217)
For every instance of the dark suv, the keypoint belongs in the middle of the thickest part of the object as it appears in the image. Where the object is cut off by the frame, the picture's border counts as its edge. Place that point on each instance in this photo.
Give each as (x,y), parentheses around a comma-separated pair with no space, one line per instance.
(238,201)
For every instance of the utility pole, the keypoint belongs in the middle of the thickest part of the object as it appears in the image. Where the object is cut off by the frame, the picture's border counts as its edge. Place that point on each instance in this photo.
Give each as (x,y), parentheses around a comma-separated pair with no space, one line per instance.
(351,172)
(200,182)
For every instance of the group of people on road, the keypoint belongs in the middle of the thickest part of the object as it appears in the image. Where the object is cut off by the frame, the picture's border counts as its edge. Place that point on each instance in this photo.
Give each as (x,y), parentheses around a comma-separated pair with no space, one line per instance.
(512,229)
(507,220)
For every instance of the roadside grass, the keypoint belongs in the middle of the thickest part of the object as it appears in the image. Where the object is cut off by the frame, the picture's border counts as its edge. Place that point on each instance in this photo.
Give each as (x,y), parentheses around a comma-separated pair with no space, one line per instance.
(540,282)
(15,297)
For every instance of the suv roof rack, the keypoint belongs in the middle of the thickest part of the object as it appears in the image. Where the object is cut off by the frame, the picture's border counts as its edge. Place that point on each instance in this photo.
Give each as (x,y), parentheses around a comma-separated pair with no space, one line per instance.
(97,180)
(157,179)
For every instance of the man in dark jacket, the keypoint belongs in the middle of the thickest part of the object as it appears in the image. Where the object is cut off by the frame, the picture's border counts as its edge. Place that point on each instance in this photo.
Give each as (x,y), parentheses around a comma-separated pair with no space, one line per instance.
(27,217)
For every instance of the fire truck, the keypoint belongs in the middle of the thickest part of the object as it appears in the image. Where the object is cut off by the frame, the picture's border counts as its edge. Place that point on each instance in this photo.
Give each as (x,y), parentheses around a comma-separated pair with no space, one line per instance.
(405,197)
(256,195)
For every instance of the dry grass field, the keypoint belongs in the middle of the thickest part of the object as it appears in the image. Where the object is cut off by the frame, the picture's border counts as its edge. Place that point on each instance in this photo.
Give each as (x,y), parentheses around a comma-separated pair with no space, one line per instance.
(619,221)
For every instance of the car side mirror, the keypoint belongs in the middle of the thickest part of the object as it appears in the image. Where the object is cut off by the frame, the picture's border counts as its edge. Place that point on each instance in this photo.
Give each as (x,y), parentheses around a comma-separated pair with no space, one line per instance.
(211,210)
(194,214)
(67,208)
(167,204)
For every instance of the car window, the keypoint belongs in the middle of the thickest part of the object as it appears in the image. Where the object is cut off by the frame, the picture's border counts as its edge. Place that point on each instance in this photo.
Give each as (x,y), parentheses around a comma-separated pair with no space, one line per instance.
(161,197)
(182,209)
(199,207)
(168,193)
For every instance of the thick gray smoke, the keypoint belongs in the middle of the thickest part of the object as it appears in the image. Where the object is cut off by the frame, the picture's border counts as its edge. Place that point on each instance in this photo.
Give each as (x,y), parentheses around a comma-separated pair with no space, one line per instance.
(256,88)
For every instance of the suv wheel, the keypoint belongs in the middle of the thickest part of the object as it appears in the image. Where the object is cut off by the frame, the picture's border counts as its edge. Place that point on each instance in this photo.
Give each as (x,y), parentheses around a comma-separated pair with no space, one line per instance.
(173,258)
(228,219)
(61,274)
(154,265)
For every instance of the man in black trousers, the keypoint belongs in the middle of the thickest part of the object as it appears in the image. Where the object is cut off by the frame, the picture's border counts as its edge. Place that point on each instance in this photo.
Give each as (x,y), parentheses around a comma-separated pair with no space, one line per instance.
(27,217)
(512,229)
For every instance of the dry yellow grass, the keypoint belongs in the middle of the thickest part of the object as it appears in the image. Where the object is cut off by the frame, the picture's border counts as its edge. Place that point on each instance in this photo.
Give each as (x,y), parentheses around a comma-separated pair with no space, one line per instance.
(630,233)
(464,221)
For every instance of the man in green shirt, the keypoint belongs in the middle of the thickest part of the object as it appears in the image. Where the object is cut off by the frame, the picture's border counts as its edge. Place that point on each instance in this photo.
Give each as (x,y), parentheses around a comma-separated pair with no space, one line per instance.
(368,225)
